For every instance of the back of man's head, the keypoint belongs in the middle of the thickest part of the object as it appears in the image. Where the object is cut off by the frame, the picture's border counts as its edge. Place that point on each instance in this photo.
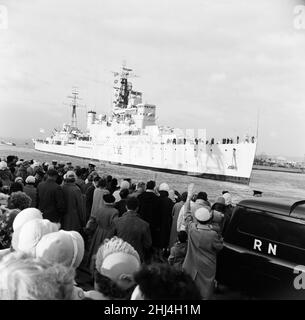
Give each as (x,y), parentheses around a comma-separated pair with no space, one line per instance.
(78,172)
(184,196)
(202,196)
(150,185)
(52,173)
(163,282)
(124,193)
(182,236)
(132,203)
(102,183)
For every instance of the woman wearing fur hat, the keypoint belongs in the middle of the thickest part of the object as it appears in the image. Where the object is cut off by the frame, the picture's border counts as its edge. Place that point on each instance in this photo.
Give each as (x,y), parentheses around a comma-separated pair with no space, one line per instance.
(203,245)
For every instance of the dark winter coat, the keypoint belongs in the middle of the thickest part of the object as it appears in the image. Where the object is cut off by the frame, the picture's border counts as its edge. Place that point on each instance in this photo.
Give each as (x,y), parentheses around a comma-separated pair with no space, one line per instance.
(166,208)
(149,211)
(50,200)
(121,206)
(75,216)
(6,177)
(81,184)
(89,200)
(134,230)
(177,254)
(31,191)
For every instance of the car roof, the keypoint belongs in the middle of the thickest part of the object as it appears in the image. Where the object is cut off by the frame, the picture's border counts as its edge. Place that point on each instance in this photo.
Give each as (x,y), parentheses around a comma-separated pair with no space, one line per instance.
(290,208)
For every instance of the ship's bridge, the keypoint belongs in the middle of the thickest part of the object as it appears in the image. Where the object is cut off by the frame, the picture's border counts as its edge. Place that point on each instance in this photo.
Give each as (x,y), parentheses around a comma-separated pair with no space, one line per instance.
(142,115)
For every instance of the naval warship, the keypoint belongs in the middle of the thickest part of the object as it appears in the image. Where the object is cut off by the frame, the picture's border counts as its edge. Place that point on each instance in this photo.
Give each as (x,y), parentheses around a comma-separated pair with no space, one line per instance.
(129,135)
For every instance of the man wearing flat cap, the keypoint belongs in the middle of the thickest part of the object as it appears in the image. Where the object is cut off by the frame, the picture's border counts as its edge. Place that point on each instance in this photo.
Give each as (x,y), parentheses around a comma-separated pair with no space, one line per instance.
(91,166)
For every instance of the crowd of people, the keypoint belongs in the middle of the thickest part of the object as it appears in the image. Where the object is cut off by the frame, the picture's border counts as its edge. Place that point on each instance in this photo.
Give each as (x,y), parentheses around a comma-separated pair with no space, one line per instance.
(69,232)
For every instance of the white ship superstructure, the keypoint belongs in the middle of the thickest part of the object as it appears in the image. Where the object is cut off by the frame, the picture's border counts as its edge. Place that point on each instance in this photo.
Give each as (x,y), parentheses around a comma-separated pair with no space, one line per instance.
(130,136)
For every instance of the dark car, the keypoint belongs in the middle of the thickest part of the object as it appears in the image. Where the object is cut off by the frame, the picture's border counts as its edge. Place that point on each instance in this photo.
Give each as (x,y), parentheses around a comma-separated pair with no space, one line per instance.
(264,249)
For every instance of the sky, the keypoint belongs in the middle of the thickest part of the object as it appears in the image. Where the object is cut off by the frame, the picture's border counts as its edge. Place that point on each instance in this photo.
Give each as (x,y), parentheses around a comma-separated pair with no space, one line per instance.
(227,66)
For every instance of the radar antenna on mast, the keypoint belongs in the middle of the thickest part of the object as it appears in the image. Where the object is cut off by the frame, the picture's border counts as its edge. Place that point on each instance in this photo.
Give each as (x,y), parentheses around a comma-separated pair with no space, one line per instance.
(122,87)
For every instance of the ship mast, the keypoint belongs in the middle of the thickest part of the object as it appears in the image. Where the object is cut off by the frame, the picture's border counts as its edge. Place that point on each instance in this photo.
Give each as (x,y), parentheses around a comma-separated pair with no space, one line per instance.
(74,105)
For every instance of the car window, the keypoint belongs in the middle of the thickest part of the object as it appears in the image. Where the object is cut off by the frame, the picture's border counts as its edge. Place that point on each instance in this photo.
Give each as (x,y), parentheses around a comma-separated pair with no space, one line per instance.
(299,212)
(259,225)
(272,229)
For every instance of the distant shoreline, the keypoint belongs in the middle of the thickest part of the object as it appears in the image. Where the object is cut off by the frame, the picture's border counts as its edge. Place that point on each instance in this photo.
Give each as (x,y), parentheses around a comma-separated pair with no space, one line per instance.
(268,168)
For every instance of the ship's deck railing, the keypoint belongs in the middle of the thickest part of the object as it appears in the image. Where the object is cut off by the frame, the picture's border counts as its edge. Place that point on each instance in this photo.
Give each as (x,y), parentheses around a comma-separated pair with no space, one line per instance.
(178,141)
(209,142)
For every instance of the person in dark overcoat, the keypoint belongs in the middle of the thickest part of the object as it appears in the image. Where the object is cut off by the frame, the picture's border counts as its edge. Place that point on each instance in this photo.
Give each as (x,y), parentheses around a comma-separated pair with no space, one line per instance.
(75,217)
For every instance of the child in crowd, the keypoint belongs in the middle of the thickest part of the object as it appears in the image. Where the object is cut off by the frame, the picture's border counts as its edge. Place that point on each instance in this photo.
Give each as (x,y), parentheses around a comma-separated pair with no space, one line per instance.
(178,251)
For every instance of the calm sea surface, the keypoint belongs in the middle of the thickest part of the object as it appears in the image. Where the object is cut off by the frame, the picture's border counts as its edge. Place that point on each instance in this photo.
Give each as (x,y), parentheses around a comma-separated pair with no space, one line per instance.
(273,184)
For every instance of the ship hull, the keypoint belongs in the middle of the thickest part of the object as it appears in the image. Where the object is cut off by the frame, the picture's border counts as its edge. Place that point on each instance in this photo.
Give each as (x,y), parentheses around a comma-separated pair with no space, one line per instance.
(224,162)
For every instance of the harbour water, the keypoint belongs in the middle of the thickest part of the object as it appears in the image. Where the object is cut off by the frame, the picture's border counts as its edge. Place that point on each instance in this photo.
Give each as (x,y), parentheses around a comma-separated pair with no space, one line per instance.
(282,185)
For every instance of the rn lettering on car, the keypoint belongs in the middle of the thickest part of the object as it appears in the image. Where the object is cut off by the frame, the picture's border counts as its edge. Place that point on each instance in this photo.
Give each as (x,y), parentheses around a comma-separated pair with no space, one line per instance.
(260,246)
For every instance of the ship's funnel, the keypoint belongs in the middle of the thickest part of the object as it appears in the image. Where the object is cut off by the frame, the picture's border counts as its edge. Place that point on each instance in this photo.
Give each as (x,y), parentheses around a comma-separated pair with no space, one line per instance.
(91,118)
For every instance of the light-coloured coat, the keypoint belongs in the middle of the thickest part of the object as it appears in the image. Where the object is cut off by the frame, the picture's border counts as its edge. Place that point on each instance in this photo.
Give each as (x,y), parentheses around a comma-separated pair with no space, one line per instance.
(200,260)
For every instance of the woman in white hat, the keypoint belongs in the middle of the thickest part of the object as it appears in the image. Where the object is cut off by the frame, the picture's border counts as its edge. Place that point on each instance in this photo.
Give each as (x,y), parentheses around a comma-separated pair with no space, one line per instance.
(203,244)
(30,189)
(66,248)
(26,238)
